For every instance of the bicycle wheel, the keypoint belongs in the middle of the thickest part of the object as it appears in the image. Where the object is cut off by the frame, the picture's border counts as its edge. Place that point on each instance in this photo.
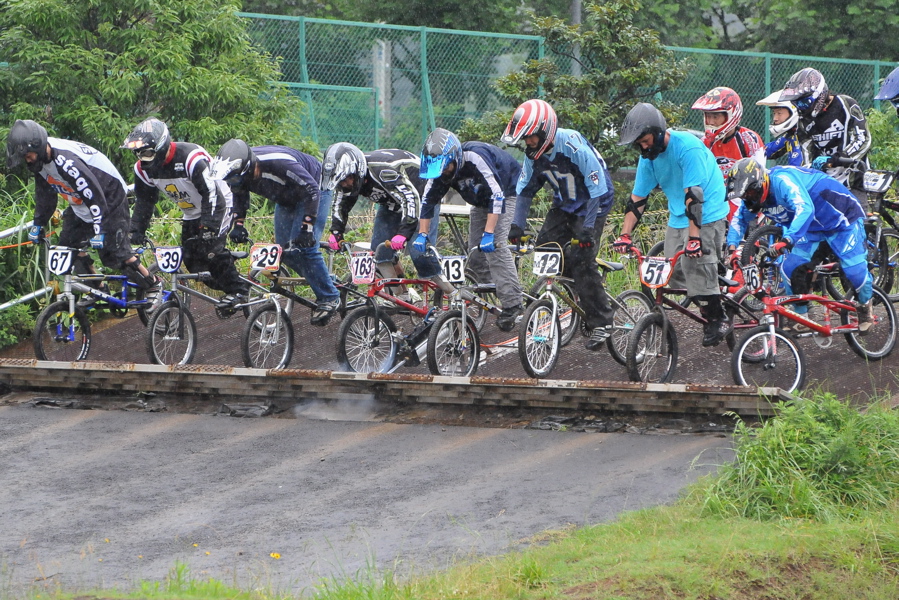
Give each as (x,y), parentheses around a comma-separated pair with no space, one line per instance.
(539,339)
(168,343)
(61,335)
(890,239)
(649,357)
(569,321)
(453,348)
(880,339)
(365,342)
(782,363)
(879,259)
(629,306)
(267,340)
(475,312)
(755,250)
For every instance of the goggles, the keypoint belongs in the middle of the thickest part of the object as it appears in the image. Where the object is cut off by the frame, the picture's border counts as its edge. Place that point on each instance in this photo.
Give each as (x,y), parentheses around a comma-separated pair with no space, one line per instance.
(804,104)
(146,154)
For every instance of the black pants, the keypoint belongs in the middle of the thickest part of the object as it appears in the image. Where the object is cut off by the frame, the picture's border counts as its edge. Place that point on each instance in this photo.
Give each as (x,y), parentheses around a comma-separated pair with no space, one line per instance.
(580,264)
(211,256)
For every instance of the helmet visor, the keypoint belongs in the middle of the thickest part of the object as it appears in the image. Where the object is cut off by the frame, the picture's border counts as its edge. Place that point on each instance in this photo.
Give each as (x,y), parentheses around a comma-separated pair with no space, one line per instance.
(431,167)
(145,154)
(752,197)
(805,103)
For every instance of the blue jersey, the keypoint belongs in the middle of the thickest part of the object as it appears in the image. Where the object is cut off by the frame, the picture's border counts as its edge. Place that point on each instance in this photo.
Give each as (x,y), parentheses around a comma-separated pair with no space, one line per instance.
(487,177)
(786,145)
(287,177)
(806,202)
(686,162)
(576,174)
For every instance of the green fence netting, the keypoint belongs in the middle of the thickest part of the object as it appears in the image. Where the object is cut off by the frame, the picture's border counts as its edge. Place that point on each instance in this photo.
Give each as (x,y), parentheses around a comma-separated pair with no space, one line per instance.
(388,85)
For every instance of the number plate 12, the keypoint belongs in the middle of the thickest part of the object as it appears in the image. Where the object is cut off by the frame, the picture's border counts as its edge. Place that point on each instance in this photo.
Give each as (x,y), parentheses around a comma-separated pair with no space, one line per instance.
(546,263)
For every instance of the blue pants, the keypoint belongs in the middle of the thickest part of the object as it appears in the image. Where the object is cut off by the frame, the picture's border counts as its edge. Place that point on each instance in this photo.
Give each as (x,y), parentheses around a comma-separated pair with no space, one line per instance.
(308,262)
(851,250)
(387,223)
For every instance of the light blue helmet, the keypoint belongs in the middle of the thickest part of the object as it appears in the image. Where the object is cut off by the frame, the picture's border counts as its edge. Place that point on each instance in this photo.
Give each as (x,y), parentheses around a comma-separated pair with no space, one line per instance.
(441,148)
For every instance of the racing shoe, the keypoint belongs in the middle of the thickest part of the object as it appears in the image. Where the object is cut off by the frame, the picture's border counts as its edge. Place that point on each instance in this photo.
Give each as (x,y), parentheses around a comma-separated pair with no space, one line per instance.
(715,331)
(598,337)
(153,296)
(227,305)
(322,313)
(864,317)
(507,318)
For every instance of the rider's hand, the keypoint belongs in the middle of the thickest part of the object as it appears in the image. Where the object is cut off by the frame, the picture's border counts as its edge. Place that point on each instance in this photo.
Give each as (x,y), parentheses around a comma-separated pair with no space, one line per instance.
(207,234)
(421,242)
(36,234)
(623,244)
(515,234)
(138,238)
(488,243)
(239,234)
(98,240)
(820,163)
(781,247)
(731,249)
(304,239)
(397,242)
(585,241)
(693,249)
(335,240)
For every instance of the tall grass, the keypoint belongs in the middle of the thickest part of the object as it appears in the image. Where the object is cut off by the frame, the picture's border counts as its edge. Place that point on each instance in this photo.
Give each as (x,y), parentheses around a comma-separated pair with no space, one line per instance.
(819,459)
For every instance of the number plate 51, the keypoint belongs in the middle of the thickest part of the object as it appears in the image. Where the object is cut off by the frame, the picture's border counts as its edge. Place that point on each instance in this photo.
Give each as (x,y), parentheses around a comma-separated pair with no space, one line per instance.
(655,271)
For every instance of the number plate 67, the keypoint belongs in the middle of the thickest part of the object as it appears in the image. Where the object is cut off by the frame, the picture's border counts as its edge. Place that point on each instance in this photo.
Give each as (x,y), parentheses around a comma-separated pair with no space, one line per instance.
(59,260)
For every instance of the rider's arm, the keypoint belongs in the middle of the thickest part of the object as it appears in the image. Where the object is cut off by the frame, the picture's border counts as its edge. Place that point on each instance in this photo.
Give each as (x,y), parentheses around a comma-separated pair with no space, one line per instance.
(201,176)
(146,195)
(633,211)
(45,201)
(857,140)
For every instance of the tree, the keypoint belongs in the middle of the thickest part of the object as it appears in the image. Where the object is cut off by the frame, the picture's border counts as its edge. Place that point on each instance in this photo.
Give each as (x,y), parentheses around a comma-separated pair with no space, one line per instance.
(90,70)
(621,64)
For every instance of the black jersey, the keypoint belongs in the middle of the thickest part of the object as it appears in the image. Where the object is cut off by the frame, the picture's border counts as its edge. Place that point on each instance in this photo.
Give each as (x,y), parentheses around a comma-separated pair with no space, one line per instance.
(392,180)
(839,130)
(184,175)
(86,179)
(286,176)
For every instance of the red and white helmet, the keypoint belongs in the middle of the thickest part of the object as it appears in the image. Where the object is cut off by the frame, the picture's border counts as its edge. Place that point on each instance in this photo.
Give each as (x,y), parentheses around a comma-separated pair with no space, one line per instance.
(721,99)
(534,117)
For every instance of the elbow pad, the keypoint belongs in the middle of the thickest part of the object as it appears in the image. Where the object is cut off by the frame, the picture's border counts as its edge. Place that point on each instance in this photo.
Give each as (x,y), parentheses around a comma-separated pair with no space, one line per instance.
(693,200)
(636,208)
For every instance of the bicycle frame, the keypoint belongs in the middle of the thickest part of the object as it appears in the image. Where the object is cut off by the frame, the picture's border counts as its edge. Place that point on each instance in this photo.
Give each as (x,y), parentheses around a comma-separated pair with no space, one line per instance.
(39,293)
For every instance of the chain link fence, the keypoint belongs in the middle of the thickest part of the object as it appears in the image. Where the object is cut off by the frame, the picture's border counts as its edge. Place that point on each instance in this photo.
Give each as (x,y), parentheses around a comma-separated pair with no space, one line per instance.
(388,85)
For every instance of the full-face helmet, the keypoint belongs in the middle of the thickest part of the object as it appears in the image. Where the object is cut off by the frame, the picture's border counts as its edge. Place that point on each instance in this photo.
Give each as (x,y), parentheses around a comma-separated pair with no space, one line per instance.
(534,117)
(235,159)
(748,181)
(807,90)
(343,160)
(441,149)
(148,140)
(890,89)
(786,126)
(721,100)
(24,137)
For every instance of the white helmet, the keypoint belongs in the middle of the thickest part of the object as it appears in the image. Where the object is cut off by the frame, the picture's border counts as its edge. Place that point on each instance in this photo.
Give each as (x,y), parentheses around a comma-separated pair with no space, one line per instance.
(791,121)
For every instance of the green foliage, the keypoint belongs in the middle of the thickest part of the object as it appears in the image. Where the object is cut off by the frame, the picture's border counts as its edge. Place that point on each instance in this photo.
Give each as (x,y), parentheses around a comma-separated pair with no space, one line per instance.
(90,70)
(819,459)
(884,128)
(621,64)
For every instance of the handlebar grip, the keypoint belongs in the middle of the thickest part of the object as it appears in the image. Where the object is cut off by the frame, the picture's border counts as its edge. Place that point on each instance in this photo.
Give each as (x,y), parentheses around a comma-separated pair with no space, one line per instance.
(842,161)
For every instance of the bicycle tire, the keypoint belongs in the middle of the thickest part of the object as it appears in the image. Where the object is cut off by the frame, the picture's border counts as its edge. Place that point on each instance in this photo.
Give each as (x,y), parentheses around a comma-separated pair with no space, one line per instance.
(630,306)
(52,330)
(452,350)
(539,339)
(879,259)
(569,320)
(755,250)
(365,341)
(782,364)
(475,312)
(890,239)
(880,340)
(167,342)
(267,339)
(648,358)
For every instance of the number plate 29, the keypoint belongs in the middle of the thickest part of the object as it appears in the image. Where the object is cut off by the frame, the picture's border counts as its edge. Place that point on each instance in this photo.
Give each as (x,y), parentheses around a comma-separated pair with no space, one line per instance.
(362,265)
(266,257)
(169,258)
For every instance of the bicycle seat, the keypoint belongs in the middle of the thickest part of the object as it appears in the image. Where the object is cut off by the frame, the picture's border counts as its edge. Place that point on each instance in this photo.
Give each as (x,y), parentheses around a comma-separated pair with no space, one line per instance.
(609,265)
(239,254)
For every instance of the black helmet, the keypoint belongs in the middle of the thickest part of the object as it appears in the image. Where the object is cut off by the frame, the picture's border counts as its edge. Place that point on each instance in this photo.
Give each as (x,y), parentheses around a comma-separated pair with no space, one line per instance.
(644,118)
(25,137)
(748,181)
(234,160)
(807,90)
(342,160)
(148,140)
(441,148)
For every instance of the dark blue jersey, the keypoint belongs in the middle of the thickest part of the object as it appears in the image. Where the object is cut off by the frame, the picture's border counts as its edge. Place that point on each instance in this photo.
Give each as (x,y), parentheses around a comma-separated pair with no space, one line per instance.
(286,176)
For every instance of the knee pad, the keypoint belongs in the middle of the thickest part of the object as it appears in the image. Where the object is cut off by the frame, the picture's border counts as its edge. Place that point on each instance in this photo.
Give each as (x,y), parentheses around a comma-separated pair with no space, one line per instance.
(82,265)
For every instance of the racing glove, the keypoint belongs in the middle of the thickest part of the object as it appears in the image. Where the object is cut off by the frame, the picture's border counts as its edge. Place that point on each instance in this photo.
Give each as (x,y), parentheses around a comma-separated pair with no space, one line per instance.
(421,242)
(487,242)
(693,249)
(623,244)
(585,240)
(820,163)
(397,242)
(304,239)
(516,234)
(335,240)
(98,240)
(138,238)
(239,233)
(781,247)
(36,234)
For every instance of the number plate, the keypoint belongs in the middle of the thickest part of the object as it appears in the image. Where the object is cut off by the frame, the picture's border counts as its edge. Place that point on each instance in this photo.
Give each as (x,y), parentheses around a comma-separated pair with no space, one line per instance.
(266,257)
(751,277)
(877,182)
(60,260)
(546,263)
(453,268)
(363,267)
(655,271)
(169,258)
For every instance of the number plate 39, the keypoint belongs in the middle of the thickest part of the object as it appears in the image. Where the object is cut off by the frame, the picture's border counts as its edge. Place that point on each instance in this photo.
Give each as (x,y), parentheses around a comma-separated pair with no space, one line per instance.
(169,258)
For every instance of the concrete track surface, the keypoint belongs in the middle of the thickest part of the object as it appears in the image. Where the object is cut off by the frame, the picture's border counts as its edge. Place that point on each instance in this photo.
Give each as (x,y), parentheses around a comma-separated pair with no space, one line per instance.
(106,498)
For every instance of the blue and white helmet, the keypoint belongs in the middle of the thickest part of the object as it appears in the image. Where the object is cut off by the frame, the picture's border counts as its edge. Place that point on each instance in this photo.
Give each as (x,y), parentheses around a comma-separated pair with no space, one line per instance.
(890,89)
(441,148)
